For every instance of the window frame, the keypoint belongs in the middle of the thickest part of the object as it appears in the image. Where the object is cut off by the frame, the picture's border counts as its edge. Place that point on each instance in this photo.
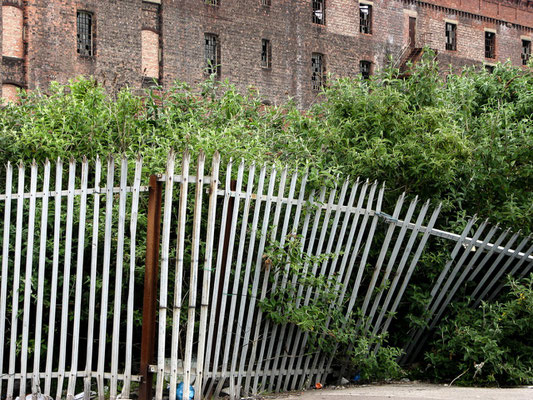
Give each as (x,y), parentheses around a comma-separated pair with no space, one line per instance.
(365,23)
(318,77)
(81,42)
(490,45)
(266,54)
(211,67)
(365,64)
(315,5)
(526,51)
(451,42)
(266,3)
(214,3)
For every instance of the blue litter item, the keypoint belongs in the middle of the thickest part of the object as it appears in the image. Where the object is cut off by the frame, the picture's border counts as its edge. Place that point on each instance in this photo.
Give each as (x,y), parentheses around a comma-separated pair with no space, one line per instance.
(179,392)
(356,378)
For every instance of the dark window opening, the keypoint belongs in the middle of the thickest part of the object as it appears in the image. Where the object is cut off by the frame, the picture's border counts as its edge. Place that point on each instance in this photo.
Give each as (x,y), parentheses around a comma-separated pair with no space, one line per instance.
(318,77)
(365,18)
(526,51)
(85,33)
(212,55)
(265,3)
(212,2)
(490,45)
(319,12)
(364,68)
(489,68)
(451,36)
(266,54)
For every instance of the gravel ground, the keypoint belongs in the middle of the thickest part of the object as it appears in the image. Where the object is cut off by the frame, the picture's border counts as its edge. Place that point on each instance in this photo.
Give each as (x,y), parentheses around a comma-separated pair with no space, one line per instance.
(414,391)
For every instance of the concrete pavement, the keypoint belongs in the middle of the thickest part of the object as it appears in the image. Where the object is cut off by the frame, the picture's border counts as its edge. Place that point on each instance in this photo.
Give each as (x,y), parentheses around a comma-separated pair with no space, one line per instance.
(415,391)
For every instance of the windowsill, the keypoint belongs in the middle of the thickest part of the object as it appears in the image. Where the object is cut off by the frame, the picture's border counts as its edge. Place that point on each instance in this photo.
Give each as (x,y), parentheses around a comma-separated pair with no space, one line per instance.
(319,25)
(366,34)
(268,69)
(454,50)
(87,58)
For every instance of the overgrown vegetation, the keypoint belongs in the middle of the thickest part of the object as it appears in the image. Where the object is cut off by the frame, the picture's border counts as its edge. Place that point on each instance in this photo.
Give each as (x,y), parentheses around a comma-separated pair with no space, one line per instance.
(466,140)
(492,344)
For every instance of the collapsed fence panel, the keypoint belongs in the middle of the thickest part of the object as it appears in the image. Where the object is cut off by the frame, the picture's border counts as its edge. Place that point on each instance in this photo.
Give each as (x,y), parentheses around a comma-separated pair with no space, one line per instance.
(52,273)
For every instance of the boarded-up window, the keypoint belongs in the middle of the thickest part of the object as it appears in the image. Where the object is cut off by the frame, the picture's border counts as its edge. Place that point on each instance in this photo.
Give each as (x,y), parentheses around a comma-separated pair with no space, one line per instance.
(9,93)
(12,23)
(150,53)
(318,76)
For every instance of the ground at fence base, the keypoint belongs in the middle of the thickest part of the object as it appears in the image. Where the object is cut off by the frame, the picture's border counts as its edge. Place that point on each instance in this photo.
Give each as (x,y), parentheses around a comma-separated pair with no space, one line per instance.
(411,391)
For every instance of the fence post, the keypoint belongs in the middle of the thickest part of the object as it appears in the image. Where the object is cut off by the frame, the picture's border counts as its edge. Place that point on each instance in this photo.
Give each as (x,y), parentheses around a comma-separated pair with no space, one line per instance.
(153,231)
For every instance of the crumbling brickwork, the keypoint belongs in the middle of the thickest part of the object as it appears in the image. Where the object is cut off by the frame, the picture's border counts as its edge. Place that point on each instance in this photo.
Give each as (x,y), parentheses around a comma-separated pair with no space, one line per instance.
(134,41)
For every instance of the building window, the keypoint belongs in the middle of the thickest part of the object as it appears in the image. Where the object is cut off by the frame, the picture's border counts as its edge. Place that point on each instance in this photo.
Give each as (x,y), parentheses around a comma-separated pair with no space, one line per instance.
(364,68)
(13,43)
(490,45)
(451,36)
(266,54)
(318,77)
(365,18)
(526,51)
(212,2)
(85,33)
(265,3)
(319,12)
(212,55)
(489,68)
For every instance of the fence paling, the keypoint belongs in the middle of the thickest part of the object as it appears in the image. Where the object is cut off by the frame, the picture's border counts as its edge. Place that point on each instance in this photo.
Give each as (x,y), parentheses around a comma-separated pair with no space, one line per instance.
(329,245)
(255,287)
(165,242)
(410,351)
(211,218)
(197,215)
(40,281)
(227,257)
(514,271)
(282,240)
(235,289)
(92,287)
(79,276)
(282,341)
(178,272)
(5,264)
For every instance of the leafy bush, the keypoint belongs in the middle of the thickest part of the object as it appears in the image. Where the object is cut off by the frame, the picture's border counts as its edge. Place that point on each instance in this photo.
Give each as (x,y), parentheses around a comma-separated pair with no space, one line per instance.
(490,344)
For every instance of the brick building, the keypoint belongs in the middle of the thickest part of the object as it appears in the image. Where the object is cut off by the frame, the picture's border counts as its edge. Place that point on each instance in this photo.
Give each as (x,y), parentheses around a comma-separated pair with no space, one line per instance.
(281,47)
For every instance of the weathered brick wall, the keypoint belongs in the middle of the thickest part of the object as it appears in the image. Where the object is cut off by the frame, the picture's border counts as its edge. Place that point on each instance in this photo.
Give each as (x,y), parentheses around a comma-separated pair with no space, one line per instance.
(176,28)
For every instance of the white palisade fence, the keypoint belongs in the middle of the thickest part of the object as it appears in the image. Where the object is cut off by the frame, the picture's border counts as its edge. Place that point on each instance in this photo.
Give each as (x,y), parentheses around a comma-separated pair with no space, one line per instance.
(70,280)
(61,240)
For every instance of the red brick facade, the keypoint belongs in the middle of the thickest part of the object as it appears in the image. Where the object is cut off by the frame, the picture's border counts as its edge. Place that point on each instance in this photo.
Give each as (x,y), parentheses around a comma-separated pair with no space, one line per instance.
(133,41)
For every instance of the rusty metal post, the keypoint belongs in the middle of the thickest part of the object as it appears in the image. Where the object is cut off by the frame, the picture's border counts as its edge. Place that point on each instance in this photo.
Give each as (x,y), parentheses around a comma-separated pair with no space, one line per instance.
(153,231)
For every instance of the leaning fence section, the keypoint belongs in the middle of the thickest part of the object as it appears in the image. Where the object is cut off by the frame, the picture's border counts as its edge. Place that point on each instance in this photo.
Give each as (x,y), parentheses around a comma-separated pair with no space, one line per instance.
(69,254)
(75,237)
(215,271)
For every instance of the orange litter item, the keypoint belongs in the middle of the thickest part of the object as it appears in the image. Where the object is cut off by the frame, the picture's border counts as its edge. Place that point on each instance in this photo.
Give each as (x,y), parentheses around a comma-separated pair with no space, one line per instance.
(318,385)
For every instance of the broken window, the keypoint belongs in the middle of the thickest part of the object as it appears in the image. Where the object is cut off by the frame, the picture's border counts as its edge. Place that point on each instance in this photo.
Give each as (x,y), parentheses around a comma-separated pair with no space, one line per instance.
(451,36)
(365,18)
(266,54)
(85,33)
(526,51)
(212,2)
(318,77)
(490,45)
(212,55)
(319,12)
(265,3)
(364,68)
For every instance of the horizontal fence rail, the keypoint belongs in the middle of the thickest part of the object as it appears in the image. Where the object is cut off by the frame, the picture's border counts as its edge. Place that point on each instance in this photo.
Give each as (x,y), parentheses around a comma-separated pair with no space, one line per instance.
(75,242)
